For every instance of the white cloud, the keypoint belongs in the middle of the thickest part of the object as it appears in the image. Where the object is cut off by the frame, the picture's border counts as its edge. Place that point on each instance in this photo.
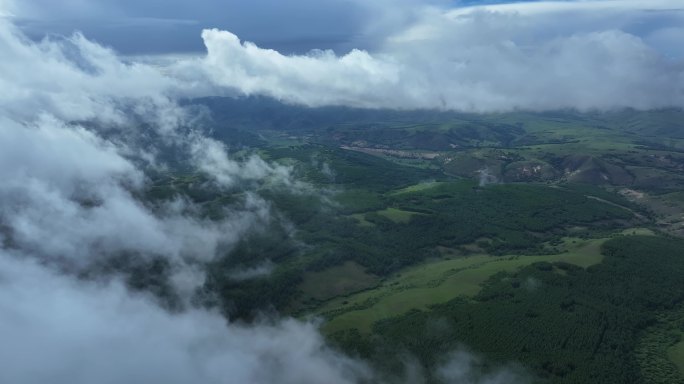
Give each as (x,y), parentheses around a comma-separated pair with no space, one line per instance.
(211,157)
(70,124)
(71,141)
(537,56)
(61,331)
(73,79)
(463,367)
(67,194)
(69,191)
(319,76)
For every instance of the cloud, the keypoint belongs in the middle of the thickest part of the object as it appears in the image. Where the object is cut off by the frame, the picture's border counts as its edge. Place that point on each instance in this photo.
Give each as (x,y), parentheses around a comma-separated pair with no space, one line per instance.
(75,123)
(528,56)
(210,156)
(323,75)
(58,330)
(63,331)
(76,79)
(79,130)
(419,54)
(463,367)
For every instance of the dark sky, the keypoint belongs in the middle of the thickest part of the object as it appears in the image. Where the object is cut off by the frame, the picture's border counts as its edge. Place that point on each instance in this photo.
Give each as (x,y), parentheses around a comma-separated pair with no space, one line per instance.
(135,27)
(162,26)
(173,26)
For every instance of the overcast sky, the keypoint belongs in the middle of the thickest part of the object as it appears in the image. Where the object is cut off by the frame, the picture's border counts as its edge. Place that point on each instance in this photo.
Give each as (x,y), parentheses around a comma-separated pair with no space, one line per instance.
(173,26)
(154,26)
(135,27)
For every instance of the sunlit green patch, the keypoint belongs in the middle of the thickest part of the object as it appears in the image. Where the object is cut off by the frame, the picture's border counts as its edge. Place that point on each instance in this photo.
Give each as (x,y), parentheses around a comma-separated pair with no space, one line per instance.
(397,215)
(336,281)
(418,187)
(437,282)
(361,219)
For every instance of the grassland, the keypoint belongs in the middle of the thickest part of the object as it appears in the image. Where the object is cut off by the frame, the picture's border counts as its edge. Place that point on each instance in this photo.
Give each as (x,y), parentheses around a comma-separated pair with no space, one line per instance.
(437,282)
(417,187)
(397,215)
(361,218)
(337,281)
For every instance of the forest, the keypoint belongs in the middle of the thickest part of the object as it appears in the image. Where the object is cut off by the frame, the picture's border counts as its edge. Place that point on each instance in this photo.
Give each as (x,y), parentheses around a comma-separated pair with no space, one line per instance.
(555,267)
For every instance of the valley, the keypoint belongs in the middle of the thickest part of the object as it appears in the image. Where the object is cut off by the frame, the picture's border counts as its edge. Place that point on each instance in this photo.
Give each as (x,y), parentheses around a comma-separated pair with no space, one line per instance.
(495,224)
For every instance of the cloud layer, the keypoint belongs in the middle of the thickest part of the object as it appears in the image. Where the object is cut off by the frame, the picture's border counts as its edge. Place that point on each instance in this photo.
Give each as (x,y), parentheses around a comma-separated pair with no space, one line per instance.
(58,330)
(79,130)
(596,54)
(79,126)
(526,56)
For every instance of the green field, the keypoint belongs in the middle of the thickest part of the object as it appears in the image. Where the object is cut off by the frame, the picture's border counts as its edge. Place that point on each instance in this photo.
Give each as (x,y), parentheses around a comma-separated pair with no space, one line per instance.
(397,215)
(440,281)
(361,218)
(337,281)
(417,187)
